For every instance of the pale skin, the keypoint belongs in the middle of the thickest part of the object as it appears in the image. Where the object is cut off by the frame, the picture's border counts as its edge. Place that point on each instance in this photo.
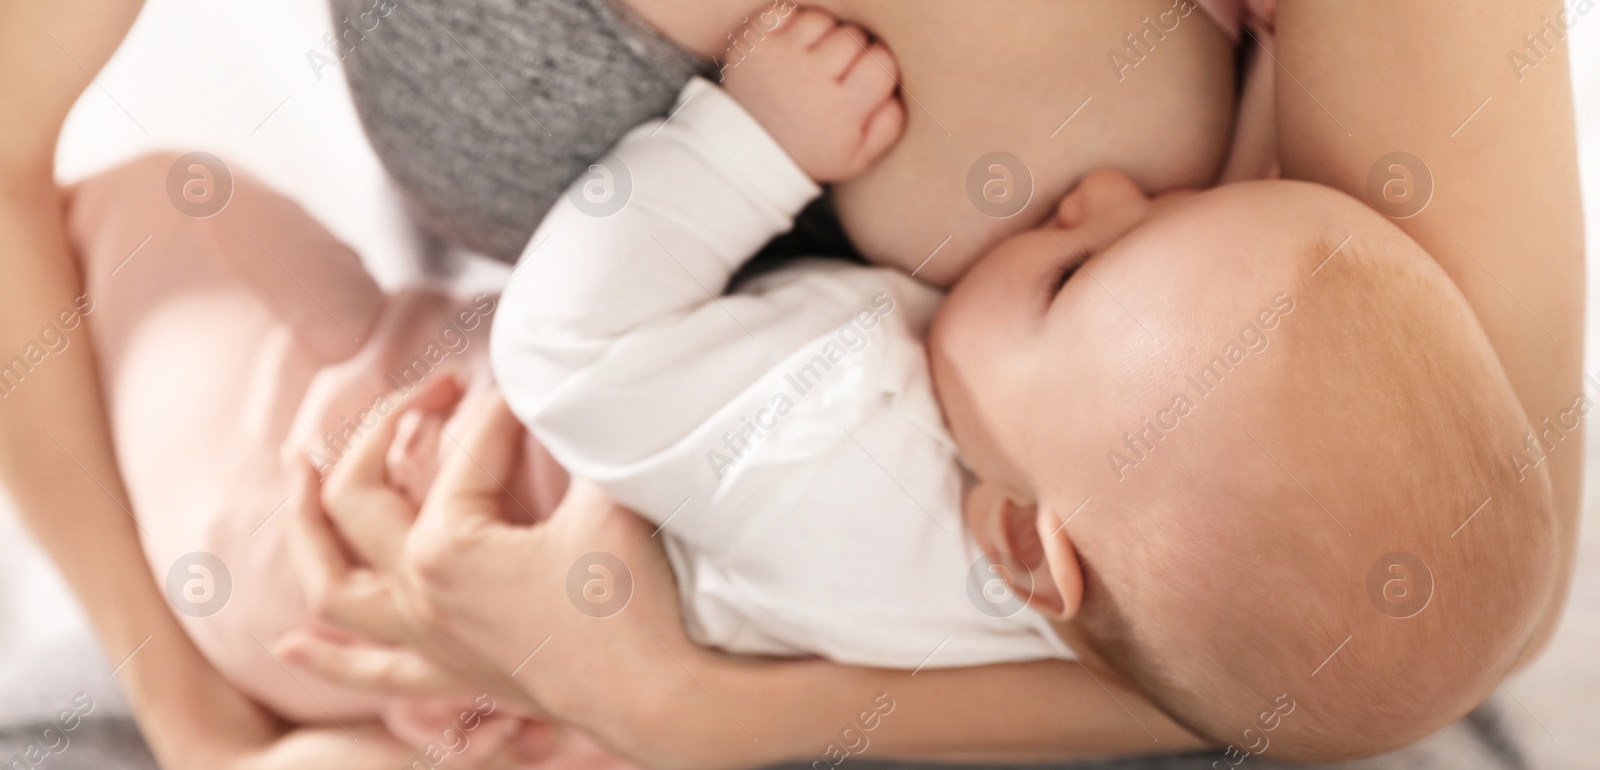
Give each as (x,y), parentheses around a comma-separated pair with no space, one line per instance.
(977,83)
(1097,215)
(1519,163)
(1047,348)
(1518,157)
(838,113)
(1341,110)
(191,716)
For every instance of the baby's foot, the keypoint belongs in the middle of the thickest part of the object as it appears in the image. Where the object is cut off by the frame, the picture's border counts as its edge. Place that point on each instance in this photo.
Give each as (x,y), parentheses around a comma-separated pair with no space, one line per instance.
(822,88)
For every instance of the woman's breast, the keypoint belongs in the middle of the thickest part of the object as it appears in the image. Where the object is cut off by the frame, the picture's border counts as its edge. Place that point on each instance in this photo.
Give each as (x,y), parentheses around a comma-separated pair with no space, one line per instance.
(1009,104)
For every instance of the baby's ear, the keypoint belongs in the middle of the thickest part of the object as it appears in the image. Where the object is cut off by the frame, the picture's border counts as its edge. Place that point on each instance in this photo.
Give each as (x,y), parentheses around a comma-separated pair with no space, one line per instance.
(1063,573)
(1026,546)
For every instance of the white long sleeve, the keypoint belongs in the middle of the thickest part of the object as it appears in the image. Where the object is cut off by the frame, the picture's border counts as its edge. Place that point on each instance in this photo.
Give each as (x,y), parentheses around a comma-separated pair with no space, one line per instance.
(785,436)
(614,342)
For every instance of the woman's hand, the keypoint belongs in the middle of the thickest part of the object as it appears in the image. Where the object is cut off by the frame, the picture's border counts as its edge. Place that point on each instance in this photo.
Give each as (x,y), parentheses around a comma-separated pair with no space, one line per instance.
(598,642)
(578,611)
(357,598)
(470,599)
(373,520)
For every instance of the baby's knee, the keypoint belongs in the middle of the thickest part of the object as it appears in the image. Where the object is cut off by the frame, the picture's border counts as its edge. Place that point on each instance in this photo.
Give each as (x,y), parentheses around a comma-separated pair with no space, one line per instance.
(164,223)
(112,214)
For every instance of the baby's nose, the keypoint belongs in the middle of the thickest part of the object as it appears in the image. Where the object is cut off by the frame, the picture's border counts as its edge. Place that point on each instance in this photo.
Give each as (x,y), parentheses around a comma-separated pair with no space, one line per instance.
(1106,197)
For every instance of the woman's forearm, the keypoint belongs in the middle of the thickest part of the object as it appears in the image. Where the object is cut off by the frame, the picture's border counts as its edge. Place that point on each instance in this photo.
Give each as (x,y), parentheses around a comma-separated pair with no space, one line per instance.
(745,712)
(637,682)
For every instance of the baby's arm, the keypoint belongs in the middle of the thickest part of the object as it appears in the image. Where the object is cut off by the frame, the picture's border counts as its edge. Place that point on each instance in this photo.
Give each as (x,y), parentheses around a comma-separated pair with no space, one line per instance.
(614,343)
(588,288)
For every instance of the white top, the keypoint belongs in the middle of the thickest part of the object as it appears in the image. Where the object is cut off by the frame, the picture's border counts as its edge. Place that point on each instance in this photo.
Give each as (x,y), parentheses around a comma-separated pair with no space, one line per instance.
(785,437)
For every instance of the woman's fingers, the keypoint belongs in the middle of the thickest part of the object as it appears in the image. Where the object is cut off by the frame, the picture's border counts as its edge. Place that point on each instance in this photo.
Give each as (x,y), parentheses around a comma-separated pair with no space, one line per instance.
(314,550)
(367,667)
(336,591)
(471,482)
(372,516)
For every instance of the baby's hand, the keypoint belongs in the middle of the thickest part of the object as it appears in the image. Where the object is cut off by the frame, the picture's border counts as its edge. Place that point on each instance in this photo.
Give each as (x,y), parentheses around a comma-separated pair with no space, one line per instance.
(823,89)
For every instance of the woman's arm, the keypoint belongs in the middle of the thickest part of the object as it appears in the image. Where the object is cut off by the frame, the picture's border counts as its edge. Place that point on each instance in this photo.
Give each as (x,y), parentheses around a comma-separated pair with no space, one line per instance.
(55,455)
(56,460)
(634,679)
(1458,87)
(747,712)
(637,682)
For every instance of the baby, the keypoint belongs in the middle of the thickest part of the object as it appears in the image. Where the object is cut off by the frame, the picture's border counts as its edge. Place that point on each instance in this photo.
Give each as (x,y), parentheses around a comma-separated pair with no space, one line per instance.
(222,339)
(1230,446)
(225,339)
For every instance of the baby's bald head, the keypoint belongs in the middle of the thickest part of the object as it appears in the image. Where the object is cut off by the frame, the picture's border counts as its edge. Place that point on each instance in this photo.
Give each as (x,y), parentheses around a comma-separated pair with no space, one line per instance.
(1257,445)
(1337,525)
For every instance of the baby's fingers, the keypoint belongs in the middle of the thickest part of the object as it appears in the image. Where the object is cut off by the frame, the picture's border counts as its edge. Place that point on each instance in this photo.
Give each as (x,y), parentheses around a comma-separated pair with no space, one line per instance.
(373,515)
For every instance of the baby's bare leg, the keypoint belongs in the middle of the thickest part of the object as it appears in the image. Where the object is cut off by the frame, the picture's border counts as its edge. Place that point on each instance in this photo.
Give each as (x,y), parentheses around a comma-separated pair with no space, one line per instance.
(207,332)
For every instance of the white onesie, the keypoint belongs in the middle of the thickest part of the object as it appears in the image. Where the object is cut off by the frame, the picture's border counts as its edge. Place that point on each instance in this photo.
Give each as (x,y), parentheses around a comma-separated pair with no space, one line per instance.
(784,437)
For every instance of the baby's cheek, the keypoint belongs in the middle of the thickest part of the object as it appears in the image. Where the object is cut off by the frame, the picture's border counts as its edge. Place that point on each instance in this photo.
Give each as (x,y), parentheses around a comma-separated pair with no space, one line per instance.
(413,459)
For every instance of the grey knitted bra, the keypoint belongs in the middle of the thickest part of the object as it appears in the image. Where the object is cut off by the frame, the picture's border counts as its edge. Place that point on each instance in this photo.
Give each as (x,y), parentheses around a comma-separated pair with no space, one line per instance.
(484,111)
